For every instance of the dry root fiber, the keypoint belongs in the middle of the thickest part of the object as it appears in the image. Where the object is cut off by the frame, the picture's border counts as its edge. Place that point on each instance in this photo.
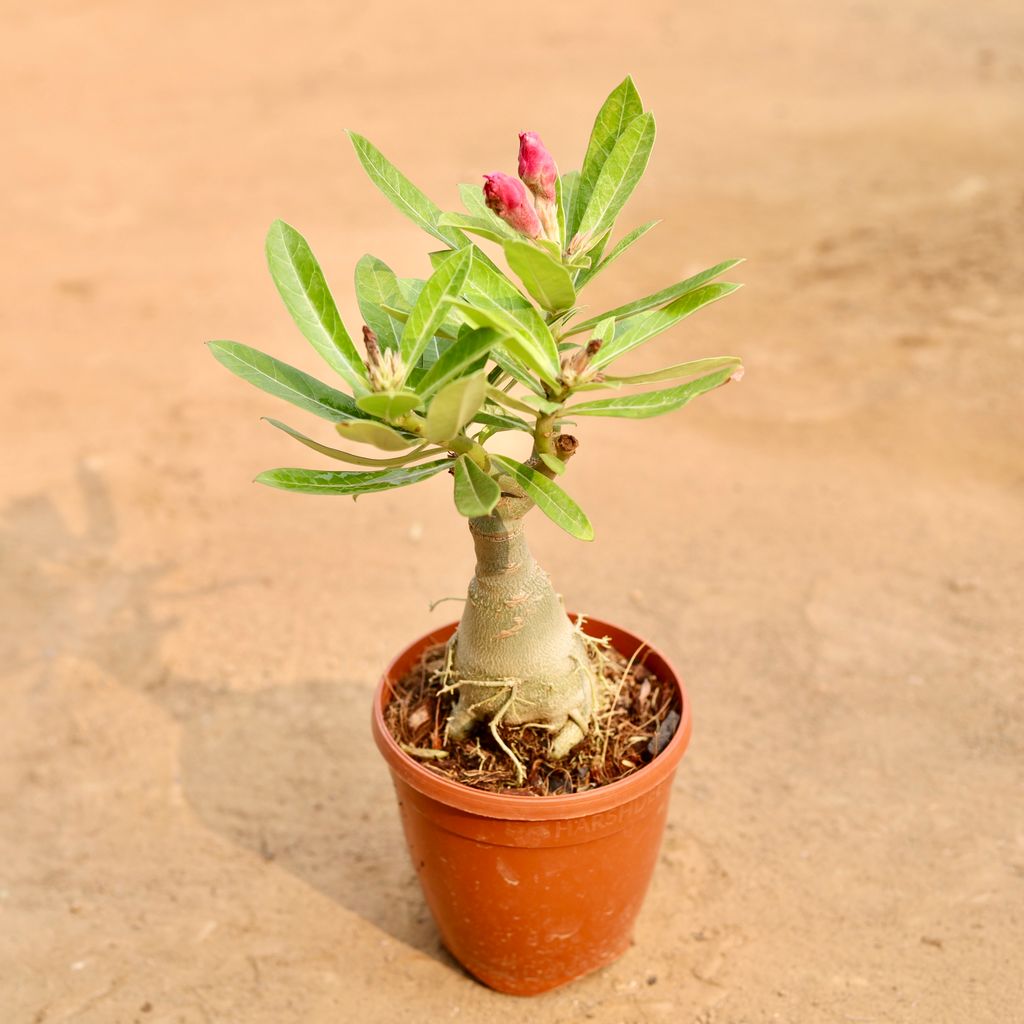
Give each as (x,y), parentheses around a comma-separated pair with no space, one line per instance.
(637,719)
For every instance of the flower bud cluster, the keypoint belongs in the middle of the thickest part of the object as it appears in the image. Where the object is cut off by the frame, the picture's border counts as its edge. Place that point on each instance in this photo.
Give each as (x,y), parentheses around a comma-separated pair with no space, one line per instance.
(529,205)
(576,368)
(385,368)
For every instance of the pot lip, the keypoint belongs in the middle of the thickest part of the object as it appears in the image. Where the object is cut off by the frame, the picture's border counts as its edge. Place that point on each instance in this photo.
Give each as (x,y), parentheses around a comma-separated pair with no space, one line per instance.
(520,807)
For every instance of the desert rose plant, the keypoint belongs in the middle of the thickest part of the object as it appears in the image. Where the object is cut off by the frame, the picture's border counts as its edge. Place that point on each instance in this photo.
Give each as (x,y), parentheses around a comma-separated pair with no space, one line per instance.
(488,346)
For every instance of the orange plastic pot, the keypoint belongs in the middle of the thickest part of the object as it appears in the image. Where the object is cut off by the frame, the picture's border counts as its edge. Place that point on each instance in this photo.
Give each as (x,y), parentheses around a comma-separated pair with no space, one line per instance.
(531,892)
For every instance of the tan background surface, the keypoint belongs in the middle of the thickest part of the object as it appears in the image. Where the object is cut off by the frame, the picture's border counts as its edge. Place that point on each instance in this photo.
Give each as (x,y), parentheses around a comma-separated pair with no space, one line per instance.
(194,824)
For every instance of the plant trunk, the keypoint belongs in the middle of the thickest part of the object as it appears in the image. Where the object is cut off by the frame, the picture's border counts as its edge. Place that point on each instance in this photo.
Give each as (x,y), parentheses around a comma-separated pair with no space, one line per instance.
(516,656)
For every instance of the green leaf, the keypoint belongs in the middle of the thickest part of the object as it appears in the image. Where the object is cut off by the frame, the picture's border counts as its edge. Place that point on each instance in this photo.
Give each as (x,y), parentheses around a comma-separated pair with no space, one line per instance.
(433,303)
(555,464)
(499,422)
(619,176)
(397,313)
(577,262)
(436,347)
(688,369)
(588,274)
(596,249)
(644,327)
(560,217)
(619,110)
(463,355)
(448,330)
(301,284)
(284,381)
(652,403)
(544,277)
(488,288)
(550,247)
(376,289)
(510,365)
(657,298)
(403,193)
(604,331)
(478,226)
(476,494)
(530,404)
(548,497)
(315,481)
(453,407)
(389,405)
(421,452)
(507,401)
(410,288)
(565,191)
(568,183)
(481,313)
(380,435)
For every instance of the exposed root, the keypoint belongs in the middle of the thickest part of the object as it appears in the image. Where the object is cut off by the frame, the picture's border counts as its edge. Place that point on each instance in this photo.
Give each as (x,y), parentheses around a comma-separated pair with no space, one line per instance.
(635,715)
(443,677)
(510,753)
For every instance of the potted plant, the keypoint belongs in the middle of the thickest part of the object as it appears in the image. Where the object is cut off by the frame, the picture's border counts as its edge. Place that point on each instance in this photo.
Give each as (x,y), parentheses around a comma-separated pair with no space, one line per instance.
(528,891)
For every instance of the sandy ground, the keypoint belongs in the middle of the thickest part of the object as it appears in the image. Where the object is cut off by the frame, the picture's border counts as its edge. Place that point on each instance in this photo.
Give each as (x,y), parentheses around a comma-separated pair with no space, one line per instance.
(194,825)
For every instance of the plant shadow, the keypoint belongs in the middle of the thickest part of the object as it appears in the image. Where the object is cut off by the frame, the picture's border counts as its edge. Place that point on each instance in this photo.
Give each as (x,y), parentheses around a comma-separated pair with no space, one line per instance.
(286,772)
(290,773)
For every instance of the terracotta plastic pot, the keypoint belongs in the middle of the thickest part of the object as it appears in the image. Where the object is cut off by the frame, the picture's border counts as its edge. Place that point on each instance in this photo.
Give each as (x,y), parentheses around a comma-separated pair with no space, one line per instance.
(530,892)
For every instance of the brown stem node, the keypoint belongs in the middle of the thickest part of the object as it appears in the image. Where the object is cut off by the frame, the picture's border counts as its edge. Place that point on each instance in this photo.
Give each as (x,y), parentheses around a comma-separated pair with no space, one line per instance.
(565,446)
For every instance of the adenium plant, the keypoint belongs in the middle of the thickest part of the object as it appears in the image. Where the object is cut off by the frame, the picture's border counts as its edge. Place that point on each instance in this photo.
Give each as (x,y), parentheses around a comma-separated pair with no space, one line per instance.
(477,350)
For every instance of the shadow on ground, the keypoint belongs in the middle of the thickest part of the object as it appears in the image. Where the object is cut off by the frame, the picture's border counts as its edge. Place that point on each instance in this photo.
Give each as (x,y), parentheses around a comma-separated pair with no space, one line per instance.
(288,772)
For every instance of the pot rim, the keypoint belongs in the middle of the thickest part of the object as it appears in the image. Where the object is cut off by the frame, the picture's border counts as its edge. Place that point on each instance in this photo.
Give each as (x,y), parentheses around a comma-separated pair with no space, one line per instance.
(522,807)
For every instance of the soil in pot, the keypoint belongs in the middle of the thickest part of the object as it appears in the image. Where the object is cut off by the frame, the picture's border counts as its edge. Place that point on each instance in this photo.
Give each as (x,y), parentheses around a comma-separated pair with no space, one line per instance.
(638,721)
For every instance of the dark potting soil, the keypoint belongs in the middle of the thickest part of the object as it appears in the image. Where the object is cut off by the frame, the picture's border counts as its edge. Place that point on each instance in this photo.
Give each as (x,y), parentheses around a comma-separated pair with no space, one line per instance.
(634,726)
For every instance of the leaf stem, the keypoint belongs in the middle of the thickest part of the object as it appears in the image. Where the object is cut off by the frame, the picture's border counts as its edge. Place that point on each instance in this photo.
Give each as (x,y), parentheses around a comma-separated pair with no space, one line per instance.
(463,445)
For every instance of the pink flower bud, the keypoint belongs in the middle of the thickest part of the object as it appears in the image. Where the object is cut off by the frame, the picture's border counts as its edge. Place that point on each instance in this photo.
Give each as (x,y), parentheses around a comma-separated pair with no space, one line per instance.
(537,166)
(511,202)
